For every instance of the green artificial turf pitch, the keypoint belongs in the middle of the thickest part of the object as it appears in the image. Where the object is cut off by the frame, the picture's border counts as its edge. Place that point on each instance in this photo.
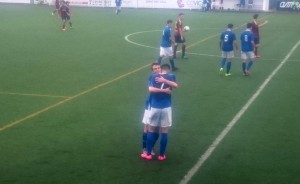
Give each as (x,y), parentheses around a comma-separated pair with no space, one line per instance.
(71,102)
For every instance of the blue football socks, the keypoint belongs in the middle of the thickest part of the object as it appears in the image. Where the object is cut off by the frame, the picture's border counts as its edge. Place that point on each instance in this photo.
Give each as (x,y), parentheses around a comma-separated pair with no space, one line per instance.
(249,65)
(228,67)
(144,139)
(163,143)
(222,63)
(150,142)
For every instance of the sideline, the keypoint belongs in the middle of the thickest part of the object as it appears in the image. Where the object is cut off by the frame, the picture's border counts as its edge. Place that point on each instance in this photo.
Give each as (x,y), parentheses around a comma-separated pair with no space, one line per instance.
(235,119)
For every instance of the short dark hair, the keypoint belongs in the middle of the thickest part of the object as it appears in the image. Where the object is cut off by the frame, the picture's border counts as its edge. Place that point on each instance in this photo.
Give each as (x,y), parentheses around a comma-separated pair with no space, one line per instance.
(180,14)
(165,67)
(153,65)
(255,16)
(169,21)
(230,25)
(249,25)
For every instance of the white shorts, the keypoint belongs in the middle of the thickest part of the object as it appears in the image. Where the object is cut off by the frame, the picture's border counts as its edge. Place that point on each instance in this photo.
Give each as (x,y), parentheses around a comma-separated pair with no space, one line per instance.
(246,55)
(166,51)
(146,117)
(160,117)
(229,54)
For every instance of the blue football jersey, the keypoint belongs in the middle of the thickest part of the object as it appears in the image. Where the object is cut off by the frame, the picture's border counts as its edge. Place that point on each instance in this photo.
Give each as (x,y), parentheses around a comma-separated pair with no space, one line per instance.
(118,2)
(246,41)
(161,100)
(227,38)
(166,35)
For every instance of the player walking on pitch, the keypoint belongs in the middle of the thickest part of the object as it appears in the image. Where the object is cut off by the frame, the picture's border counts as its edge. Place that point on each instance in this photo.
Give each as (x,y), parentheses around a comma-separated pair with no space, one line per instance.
(56,4)
(247,47)
(228,47)
(118,6)
(166,49)
(65,15)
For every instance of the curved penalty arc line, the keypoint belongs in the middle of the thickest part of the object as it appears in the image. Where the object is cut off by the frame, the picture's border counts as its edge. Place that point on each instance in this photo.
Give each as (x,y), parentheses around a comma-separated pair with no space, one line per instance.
(138,44)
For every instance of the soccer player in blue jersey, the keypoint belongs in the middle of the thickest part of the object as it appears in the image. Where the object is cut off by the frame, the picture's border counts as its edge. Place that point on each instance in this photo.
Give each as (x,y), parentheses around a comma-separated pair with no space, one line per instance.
(228,47)
(247,49)
(160,88)
(118,6)
(166,49)
(155,70)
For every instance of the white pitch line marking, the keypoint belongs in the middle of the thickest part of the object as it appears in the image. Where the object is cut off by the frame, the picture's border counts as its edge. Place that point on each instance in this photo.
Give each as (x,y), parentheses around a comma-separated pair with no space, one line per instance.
(230,125)
(135,43)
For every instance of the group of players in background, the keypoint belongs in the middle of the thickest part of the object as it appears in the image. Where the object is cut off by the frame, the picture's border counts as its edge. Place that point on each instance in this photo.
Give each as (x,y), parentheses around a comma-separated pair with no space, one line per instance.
(250,41)
(168,45)
(63,11)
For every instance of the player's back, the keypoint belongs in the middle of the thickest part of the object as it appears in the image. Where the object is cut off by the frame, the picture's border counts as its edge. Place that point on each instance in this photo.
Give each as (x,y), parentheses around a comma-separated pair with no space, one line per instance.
(161,100)
(227,37)
(64,8)
(246,41)
(165,41)
(118,2)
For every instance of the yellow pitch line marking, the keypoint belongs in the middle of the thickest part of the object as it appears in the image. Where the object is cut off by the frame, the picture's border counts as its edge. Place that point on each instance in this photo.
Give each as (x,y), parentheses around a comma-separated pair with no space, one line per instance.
(34,95)
(16,122)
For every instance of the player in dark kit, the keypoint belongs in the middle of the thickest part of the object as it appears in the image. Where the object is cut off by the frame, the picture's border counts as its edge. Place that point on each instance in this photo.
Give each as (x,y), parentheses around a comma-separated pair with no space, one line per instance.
(56,8)
(255,31)
(65,15)
(179,37)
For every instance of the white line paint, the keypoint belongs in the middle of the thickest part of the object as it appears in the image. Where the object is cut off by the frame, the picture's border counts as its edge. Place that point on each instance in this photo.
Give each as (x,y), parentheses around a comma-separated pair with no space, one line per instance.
(141,32)
(230,125)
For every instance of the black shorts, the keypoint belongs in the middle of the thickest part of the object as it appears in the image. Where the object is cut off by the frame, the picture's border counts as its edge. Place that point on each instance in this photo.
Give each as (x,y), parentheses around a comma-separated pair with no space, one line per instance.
(178,39)
(256,40)
(65,16)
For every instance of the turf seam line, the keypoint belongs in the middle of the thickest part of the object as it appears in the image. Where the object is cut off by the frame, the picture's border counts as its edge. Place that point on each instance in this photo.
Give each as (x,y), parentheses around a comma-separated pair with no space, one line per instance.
(34,95)
(235,119)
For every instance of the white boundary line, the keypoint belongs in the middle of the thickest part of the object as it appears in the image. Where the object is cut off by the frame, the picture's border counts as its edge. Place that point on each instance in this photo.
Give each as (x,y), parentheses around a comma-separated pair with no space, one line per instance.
(157,48)
(135,43)
(230,125)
